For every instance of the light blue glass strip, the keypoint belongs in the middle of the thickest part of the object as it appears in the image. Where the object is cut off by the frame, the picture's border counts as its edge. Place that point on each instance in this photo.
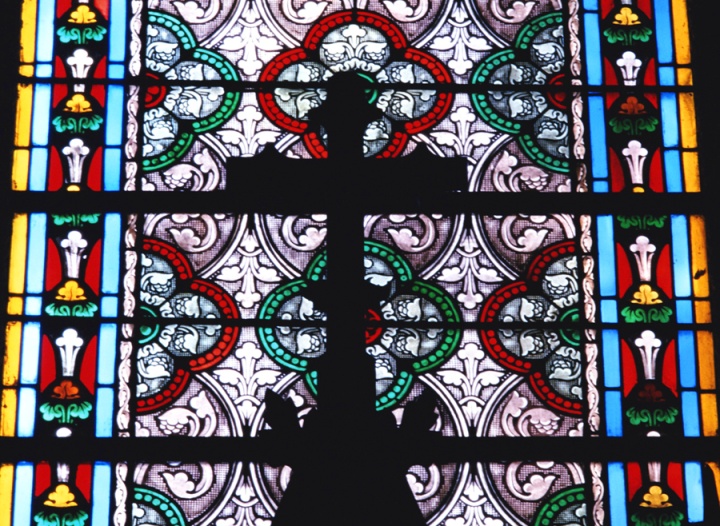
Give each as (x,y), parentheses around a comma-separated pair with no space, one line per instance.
(686,355)
(41,114)
(101,492)
(597,137)
(33,306)
(107,349)
(36,254)
(109,306)
(104,413)
(608,311)
(26,412)
(606,255)
(114,123)
(116,71)
(38,169)
(111,254)
(694,492)
(690,416)
(43,71)
(684,310)
(663,31)
(593,59)
(23,494)
(118,23)
(590,5)
(112,169)
(611,358)
(673,171)
(667,76)
(669,114)
(601,187)
(30,363)
(45,30)
(681,256)
(613,414)
(616,490)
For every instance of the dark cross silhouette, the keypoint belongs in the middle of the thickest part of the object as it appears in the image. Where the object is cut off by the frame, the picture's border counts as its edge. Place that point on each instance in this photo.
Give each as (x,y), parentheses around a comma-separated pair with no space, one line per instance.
(352,471)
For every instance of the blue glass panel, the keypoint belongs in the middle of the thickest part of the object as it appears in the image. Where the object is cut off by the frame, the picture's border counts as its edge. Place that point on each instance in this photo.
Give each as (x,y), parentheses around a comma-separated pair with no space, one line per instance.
(26,412)
(616,490)
(669,113)
(111,254)
(111,173)
(663,31)
(106,354)
(608,311)
(694,492)
(45,30)
(101,492)
(114,123)
(691,418)
(104,413)
(613,414)
(33,306)
(116,71)
(673,172)
(38,169)
(43,71)
(606,255)
(611,358)
(593,59)
(41,115)
(601,187)
(36,254)
(597,137)
(23,494)
(686,354)
(590,5)
(118,23)
(667,76)
(30,362)
(684,310)
(681,256)
(109,306)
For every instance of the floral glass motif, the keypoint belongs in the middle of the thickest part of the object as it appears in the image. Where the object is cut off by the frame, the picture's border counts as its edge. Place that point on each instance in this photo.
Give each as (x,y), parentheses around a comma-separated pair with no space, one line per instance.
(375,48)
(399,353)
(538,118)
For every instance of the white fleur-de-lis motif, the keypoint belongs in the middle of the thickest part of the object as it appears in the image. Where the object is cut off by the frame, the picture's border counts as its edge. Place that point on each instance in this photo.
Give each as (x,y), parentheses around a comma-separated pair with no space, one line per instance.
(654,471)
(69,345)
(80,63)
(76,152)
(635,156)
(643,251)
(73,246)
(63,472)
(649,346)
(629,66)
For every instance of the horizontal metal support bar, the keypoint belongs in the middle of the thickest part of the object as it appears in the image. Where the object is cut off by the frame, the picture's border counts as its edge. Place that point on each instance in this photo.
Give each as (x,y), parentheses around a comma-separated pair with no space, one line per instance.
(426,449)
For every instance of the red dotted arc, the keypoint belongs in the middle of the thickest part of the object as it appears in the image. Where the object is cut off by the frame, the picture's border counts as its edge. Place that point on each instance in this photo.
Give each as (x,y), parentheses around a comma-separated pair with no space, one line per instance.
(211,357)
(497,351)
(327,24)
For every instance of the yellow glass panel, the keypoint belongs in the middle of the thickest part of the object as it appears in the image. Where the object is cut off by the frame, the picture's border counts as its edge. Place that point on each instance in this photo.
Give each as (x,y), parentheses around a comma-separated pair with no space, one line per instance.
(680,23)
(708,404)
(24,114)
(685,77)
(21,169)
(701,283)
(687,120)
(18,254)
(11,359)
(706,360)
(28,31)
(8,411)
(703,313)
(7,472)
(15,306)
(692,171)
(26,70)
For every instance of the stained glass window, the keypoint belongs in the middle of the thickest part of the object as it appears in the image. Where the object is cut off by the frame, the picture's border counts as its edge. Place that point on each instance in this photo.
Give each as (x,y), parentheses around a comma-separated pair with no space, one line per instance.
(391,262)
